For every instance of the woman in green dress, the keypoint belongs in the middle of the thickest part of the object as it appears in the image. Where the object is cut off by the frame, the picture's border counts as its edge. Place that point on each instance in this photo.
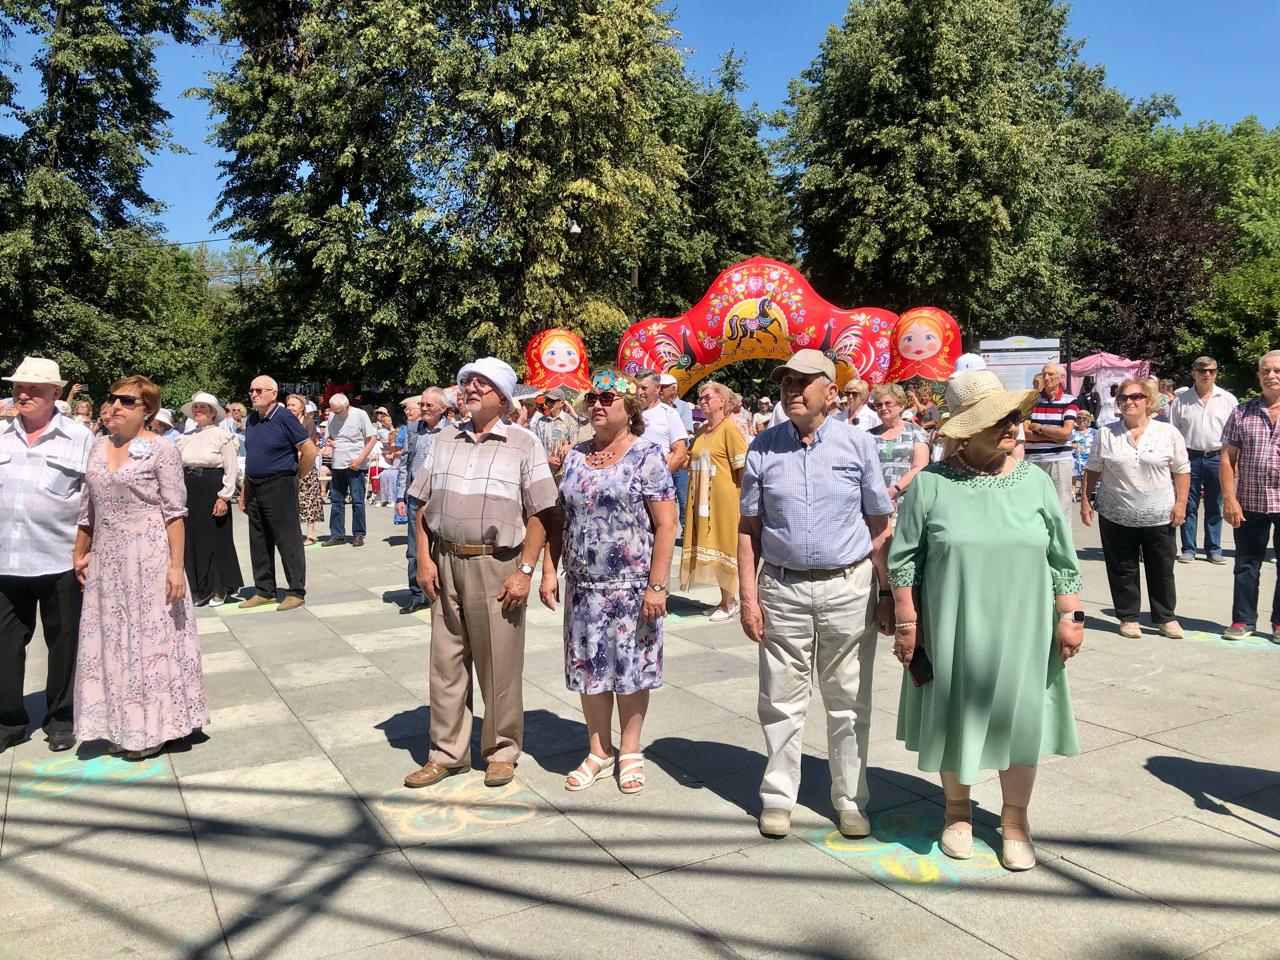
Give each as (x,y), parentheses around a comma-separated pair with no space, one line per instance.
(985,582)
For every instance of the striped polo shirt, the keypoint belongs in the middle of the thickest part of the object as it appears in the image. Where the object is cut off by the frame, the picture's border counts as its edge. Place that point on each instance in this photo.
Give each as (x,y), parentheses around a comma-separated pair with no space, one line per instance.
(1052,413)
(482,489)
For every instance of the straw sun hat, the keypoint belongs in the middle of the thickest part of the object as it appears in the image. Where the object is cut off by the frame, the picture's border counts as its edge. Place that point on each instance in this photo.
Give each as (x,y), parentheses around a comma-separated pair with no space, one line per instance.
(978,400)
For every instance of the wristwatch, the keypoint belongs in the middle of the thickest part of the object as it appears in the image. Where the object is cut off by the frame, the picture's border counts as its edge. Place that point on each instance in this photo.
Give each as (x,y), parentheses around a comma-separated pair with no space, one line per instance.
(526,569)
(1075,616)
(658,587)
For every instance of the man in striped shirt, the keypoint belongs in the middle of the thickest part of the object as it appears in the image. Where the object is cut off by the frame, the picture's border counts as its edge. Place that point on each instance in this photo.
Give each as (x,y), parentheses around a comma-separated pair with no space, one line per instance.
(1048,432)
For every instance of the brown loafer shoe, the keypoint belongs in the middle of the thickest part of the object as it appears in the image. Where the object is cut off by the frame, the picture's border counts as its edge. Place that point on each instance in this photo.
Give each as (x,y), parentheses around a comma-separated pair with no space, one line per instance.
(499,774)
(290,603)
(258,601)
(429,774)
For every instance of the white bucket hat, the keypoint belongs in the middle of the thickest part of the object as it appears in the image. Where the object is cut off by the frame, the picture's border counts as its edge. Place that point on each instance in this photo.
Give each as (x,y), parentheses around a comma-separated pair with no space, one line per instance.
(164,415)
(498,372)
(206,398)
(37,370)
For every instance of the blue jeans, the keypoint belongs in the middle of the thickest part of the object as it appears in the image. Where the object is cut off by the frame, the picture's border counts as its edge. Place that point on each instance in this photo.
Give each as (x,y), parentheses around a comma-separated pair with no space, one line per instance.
(412,507)
(1251,551)
(341,482)
(1204,473)
(681,478)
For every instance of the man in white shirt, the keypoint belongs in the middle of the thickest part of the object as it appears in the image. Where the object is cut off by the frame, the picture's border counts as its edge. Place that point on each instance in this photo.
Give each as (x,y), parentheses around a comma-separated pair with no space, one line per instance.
(667,394)
(43,456)
(1199,415)
(351,438)
(663,426)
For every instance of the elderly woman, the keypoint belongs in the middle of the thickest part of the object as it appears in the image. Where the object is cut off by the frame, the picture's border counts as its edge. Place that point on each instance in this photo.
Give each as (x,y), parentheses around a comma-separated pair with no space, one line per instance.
(209,465)
(710,551)
(986,686)
(1082,438)
(139,682)
(854,409)
(617,540)
(310,504)
(903,446)
(1140,469)
(761,421)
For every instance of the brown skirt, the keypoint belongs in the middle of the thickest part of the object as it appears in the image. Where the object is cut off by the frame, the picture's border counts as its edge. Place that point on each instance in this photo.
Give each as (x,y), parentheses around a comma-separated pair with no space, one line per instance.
(310,509)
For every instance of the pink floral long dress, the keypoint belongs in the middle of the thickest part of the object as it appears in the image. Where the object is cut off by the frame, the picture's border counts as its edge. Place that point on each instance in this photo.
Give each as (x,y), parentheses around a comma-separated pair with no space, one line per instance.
(139,679)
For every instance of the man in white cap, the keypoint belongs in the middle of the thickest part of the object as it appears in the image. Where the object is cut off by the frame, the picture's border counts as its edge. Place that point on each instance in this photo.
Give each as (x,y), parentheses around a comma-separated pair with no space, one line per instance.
(816,512)
(667,387)
(487,497)
(43,456)
(663,426)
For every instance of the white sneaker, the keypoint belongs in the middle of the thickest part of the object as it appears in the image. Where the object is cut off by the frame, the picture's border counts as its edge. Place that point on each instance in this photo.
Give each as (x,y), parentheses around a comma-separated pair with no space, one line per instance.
(217,600)
(720,615)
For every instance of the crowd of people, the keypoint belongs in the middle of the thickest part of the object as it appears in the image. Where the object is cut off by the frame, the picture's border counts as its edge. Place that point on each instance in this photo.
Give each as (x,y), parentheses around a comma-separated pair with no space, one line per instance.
(834,515)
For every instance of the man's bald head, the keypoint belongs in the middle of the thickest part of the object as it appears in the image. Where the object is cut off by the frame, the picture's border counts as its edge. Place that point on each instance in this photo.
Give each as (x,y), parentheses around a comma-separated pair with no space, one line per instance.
(262,393)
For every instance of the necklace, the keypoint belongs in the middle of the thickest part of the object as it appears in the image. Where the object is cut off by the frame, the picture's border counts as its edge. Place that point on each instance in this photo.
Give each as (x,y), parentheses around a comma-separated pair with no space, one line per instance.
(967,467)
(602,458)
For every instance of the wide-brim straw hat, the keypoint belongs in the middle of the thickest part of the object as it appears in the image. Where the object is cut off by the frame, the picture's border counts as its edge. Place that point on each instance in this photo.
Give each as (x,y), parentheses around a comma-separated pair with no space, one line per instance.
(978,400)
(206,398)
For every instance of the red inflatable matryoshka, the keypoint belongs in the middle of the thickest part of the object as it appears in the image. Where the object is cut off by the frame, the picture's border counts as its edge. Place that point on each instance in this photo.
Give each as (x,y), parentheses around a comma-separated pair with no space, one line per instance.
(925,345)
(557,358)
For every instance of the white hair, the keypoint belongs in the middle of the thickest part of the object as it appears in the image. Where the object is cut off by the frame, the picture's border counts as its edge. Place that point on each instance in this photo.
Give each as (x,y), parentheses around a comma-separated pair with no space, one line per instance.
(273,385)
(339,400)
(437,394)
(1269,355)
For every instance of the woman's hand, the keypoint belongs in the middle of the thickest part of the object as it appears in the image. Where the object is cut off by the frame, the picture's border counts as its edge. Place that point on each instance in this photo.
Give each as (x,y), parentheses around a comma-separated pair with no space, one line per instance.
(904,643)
(1086,511)
(175,585)
(654,607)
(219,507)
(81,565)
(549,591)
(1069,636)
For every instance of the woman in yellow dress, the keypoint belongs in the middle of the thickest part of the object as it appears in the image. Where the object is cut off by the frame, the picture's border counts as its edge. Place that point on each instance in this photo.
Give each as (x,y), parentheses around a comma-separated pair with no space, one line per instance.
(710,553)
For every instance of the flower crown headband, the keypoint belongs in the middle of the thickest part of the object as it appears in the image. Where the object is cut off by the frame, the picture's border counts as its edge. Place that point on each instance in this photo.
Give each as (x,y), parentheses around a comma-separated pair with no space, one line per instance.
(607,380)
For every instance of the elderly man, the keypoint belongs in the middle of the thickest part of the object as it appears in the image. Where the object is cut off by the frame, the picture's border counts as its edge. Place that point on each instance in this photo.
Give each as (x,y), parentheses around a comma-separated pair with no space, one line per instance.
(667,394)
(43,456)
(1199,414)
(350,439)
(419,436)
(1048,432)
(663,426)
(856,411)
(556,427)
(487,497)
(816,512)
(1249,472)
(277,452)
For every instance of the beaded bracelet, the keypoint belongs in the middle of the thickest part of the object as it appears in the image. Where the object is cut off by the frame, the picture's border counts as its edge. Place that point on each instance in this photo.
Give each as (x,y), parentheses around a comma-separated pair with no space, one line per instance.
(904,623)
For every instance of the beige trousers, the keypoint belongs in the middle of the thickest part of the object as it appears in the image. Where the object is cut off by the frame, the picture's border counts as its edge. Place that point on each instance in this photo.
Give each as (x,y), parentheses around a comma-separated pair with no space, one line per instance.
(821,630)
(1059,472)
(468,626)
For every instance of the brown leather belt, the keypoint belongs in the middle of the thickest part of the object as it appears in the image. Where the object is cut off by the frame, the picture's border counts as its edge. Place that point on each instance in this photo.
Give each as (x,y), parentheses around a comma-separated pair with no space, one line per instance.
(469,549)
(780,573)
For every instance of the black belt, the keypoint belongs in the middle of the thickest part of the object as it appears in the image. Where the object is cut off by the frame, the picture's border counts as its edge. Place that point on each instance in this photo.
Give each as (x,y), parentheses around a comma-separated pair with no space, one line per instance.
(780,572)
(271,476)
(200,471)
(1204,453)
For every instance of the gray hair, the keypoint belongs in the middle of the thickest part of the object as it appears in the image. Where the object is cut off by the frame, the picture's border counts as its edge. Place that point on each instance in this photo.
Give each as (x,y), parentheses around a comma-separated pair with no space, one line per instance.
(1269,355)
(647,374)
(1199,363)
(339,400)
(437,394)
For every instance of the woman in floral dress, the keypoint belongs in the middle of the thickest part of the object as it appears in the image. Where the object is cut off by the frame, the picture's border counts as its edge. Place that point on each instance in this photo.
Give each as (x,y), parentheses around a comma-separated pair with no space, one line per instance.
(139,679)
(617,540)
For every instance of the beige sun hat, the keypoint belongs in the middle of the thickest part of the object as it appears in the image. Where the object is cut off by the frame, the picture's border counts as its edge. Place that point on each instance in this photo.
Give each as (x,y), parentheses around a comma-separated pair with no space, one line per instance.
(37,370)
(978,400)
(209,400)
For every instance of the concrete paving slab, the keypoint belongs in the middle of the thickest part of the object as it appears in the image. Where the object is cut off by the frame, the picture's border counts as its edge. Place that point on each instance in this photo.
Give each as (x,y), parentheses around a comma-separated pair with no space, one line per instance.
(397,638)
(243,792)
(1255,817)
(310,673)
(1245,739)
(242,746)
(320,699)
(450,943)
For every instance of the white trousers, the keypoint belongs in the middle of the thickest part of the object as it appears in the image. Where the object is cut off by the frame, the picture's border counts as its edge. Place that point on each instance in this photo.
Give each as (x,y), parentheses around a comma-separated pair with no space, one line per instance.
(827,628)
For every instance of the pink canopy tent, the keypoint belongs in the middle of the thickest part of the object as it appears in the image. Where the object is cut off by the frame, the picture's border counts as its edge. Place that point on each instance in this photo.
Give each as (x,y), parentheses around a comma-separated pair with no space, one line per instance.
(1108,370)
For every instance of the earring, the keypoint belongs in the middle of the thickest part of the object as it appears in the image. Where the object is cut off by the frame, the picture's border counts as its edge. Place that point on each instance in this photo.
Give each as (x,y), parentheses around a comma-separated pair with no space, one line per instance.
(964,444)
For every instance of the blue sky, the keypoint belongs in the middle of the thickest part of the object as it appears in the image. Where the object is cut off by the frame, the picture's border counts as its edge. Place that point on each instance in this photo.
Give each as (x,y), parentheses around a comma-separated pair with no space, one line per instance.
(1217,58)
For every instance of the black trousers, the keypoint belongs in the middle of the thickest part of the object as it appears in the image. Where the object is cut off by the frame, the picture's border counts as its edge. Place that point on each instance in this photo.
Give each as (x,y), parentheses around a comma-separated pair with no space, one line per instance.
(272,508)
(1122,548)
(58,598)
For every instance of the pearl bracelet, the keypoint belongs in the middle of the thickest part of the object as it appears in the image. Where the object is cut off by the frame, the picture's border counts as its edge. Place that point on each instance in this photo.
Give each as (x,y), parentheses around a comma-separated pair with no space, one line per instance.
(904,623)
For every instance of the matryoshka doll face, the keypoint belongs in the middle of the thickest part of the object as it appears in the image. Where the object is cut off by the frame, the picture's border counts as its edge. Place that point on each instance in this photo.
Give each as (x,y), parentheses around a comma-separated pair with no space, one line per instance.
(560,356)
(918,341)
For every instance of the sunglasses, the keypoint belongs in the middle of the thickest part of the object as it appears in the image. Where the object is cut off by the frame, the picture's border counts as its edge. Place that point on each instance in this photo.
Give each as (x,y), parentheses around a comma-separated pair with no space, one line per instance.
(1013,418)
(604,399)
(1130,397)
(1211,371)
(127,400)
(261,390)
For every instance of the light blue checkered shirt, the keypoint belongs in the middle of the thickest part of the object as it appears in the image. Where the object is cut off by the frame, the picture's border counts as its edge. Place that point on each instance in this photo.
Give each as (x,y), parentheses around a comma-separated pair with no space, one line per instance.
(812,499)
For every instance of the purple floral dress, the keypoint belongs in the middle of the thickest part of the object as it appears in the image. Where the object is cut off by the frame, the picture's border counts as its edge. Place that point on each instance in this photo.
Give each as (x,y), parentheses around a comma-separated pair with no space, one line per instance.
(139,680)
(608,546)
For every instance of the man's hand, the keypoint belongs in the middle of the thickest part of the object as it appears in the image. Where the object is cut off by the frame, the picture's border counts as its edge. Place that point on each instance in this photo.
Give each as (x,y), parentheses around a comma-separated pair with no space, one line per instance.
(752,619)
(219,507)
(884,615)
(82,568)
(1086,511)
(402,509)
(357,463)
(429,577)
(1178,514)
(515,592)
(1232,513)
(244,500)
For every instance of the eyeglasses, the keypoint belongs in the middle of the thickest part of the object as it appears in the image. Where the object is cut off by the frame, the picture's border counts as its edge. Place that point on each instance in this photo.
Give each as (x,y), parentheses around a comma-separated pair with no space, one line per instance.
(1013,418)
(261,390)
(706,398)
(604,399)
(475,380)
(1208,371)
(1130,397)
(127,400)
(851,394)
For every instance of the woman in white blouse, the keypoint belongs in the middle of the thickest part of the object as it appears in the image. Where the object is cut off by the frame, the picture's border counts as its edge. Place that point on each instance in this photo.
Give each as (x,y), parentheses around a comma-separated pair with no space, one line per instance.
(209,462)
(1140,470)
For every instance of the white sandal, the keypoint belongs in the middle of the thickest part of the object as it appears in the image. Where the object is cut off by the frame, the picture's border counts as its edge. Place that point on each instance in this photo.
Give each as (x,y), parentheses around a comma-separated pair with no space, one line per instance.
(632,772)
(585,777)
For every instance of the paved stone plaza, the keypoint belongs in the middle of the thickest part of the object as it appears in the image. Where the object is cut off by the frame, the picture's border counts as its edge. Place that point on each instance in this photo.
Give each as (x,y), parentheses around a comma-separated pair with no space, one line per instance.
(285,832)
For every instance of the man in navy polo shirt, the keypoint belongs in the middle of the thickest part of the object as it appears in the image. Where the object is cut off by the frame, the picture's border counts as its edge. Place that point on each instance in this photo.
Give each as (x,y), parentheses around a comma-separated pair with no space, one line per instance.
(277,452)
